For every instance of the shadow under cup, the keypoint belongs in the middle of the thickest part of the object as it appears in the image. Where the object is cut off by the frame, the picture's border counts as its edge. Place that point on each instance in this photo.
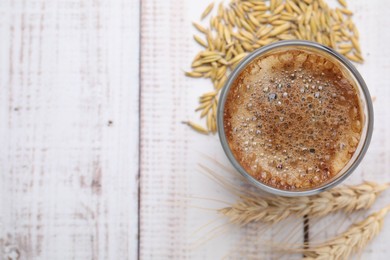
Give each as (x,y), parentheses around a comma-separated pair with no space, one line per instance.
(348,70)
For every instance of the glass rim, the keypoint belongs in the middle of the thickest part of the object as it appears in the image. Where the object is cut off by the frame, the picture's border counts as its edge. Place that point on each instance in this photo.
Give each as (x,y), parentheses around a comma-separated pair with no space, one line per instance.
(360,84)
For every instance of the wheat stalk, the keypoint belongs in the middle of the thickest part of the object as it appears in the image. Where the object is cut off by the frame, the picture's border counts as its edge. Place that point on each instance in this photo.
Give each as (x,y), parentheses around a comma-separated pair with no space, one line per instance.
(351,241)
(253,208)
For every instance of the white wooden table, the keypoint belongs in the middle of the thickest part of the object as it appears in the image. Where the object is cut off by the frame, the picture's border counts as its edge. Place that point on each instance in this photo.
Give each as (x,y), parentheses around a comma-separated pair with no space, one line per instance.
(94,162)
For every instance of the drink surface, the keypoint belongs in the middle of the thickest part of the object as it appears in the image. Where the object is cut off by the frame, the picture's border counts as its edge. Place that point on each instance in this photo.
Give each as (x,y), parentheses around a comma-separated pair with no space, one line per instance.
(293,119)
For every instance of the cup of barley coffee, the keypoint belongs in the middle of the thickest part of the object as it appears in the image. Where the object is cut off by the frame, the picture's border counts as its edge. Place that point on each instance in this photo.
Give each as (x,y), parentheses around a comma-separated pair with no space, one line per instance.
(295,118)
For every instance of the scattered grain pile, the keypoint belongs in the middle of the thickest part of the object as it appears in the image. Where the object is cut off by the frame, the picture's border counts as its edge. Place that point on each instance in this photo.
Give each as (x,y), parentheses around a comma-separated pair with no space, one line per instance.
(245,25)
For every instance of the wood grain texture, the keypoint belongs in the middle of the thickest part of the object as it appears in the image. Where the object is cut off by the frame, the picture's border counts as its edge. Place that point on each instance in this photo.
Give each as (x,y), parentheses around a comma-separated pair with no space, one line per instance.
(69,129)
(163,140)
(69,132)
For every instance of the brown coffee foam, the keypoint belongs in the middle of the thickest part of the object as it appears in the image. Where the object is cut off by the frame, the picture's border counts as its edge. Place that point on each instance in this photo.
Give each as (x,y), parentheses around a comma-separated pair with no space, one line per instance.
(293,119)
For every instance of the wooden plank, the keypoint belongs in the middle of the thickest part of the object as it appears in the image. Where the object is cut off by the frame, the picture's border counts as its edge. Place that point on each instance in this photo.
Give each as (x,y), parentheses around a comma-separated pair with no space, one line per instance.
(172,221)
(172,215)
(164,145)
(69,129)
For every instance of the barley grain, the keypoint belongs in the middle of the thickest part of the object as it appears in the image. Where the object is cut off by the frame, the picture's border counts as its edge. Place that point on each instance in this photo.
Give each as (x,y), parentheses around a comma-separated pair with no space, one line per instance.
(196,127)
(202,69)
(207,11)
(227,35)
(346,11)
(202,106)
(199,27)
(206,110)
(280,29)
(279,9)
(254,20)
(355,43)
(343,3)
(193,74)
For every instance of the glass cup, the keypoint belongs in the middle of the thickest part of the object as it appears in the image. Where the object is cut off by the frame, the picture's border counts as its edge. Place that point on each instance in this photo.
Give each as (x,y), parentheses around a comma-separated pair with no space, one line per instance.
(362,91)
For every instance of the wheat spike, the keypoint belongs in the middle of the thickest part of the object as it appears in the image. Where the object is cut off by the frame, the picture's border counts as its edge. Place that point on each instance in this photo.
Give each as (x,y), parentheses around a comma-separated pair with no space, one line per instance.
(351,241)
(253,208)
